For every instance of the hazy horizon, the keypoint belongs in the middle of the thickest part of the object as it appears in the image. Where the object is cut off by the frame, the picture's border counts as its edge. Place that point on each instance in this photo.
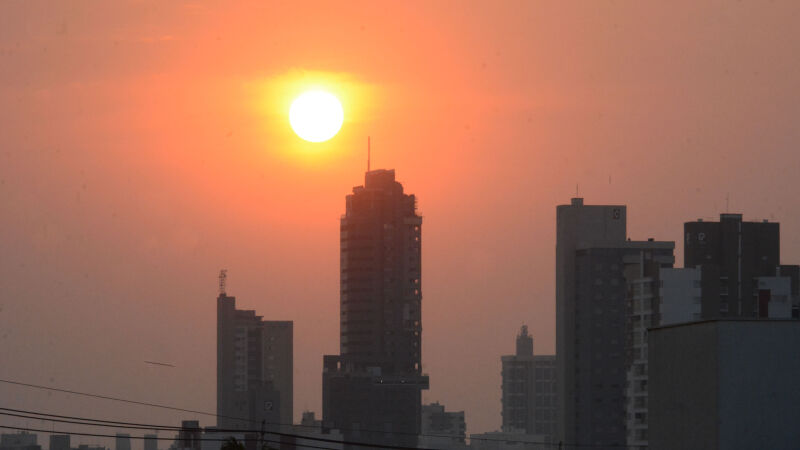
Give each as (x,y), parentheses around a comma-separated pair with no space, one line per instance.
(143,148)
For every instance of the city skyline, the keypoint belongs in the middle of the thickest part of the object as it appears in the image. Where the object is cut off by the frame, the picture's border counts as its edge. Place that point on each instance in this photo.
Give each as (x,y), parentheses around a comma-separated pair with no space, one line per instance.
(140,154)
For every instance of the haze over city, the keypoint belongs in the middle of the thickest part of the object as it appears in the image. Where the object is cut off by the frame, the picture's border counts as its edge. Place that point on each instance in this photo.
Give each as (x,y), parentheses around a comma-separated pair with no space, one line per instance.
(145,146)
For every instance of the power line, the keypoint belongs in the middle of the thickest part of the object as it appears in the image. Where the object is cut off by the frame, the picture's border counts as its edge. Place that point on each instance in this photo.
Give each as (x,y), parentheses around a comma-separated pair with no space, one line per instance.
(271,441)
(117,399)
(131,425)
(175,408)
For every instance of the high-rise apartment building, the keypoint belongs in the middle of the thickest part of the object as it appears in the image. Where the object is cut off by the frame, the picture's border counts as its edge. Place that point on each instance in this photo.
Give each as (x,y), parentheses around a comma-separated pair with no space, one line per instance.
(643,271)
(545,411)
(372,389)
(254,367)
(529,390)
(519,386)
(731,254)
(731,270)
(594,273)
(576,225)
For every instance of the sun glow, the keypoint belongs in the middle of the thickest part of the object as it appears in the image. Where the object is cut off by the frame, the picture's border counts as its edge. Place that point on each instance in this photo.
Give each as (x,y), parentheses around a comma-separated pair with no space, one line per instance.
(316,116)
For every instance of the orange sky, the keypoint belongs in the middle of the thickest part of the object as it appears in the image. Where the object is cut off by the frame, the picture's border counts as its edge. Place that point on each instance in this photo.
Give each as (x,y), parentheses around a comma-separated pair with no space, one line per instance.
(140,153)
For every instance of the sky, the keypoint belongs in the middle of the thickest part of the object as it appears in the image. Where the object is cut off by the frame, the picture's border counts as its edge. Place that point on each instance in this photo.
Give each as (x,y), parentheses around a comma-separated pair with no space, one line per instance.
(144,146)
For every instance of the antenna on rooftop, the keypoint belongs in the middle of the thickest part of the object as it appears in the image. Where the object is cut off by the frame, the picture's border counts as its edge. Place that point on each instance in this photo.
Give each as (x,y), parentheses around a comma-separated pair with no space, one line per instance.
(223,276)
(368,153)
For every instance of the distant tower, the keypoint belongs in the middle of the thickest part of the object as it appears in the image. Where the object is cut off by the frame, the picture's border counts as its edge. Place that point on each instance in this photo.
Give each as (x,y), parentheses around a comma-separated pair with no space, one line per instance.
(254,366)
(223,277)
(529,401)
(376,381)
(524,342)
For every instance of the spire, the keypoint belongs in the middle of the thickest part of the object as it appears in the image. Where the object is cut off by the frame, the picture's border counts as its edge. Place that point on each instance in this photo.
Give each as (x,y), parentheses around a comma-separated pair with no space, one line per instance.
(524,342)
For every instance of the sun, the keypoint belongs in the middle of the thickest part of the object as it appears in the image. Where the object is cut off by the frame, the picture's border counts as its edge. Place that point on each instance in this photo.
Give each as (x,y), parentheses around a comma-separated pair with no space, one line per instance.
(316,116)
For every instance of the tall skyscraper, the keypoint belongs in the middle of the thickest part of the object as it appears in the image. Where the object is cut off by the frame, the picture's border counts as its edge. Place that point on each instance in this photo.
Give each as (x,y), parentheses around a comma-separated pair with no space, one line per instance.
(372,389)
(529,390)
(254,367)
(591,319)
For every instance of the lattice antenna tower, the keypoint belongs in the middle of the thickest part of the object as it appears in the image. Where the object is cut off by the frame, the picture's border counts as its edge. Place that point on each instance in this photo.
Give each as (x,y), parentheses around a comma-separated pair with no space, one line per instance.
(223,277)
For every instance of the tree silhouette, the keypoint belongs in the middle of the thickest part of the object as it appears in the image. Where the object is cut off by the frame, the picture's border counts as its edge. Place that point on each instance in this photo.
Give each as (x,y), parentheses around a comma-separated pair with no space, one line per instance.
(232,444)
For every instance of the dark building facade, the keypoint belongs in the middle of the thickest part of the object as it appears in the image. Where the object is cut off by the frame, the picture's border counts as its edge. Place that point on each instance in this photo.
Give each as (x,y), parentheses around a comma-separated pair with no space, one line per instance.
(594,262)
(254,368)
(731,254)
(545,396)
(576,225)
(518,387)
(736,260)
(59,442)
(372,389)
(529,390)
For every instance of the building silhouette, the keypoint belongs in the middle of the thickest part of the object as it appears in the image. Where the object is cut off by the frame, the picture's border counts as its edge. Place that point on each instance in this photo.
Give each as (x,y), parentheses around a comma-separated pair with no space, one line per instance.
(254,368)
(592,258)
(529,402)
(545,414)
(122,441)
(732,270)
(519,386)
(150,442)
(372,389)
(645,274)
(442,429)
(19,441)
(732,256)
(59,442)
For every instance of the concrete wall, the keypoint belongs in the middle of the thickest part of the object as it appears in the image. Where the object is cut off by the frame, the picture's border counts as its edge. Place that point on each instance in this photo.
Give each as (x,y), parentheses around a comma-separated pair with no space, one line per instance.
(759,377)
(728,384)
(682,393)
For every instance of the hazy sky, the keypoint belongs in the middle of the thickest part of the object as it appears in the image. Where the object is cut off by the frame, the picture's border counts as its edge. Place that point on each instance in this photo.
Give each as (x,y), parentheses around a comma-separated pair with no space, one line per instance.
(145,146)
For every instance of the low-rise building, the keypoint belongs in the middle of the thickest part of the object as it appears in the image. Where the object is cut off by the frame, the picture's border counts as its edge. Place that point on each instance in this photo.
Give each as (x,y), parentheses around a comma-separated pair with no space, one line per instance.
(19,441)
(442,429)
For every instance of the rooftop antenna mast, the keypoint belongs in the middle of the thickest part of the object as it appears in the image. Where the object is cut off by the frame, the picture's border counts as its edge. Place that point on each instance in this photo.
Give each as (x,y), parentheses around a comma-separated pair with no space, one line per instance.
(223,276)
(368,153)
